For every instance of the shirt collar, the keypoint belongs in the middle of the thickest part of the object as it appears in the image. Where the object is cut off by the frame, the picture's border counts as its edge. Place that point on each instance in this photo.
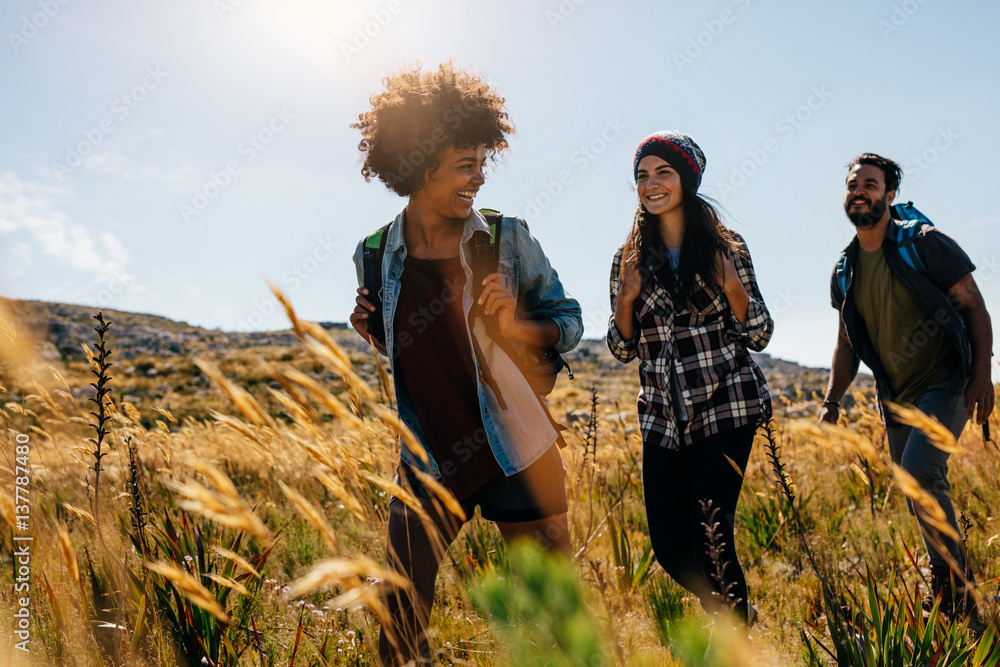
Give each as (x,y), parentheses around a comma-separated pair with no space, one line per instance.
(476,222)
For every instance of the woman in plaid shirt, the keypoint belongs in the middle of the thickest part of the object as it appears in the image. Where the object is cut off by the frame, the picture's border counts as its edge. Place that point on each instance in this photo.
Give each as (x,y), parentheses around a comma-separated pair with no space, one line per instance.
(686,303)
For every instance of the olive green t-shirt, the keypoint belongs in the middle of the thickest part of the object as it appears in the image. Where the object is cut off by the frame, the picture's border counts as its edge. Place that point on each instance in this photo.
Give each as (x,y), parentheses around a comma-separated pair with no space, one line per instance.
(913,347)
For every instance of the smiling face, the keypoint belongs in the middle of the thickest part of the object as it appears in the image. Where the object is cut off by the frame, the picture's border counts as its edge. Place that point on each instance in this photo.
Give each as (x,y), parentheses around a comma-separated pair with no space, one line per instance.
(866,201)
(450,190)
(658,185)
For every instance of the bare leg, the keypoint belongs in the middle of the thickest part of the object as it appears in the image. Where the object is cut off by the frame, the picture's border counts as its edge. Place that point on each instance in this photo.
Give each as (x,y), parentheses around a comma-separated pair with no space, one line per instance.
(415,550)
(550,533)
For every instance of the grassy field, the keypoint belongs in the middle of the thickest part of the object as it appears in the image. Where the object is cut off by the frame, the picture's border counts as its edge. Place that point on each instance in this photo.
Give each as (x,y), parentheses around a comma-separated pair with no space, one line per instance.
(244,525)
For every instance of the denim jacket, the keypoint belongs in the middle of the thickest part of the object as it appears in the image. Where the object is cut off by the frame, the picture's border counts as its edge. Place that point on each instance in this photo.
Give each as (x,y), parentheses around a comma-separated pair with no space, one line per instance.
(520,431)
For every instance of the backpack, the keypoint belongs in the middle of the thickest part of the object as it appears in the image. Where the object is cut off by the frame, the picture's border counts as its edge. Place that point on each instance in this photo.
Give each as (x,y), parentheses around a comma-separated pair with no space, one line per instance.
(540,366)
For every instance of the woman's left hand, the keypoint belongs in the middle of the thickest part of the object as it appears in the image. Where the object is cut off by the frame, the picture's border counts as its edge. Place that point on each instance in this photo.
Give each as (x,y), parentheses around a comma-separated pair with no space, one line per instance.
(498,299)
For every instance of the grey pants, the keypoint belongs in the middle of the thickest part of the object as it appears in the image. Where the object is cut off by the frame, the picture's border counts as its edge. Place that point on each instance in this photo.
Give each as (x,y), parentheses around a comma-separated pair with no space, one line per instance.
(911,450)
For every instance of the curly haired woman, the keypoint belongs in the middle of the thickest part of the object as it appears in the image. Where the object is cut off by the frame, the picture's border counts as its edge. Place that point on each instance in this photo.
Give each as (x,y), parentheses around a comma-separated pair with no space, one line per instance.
(685,301)
(488,438)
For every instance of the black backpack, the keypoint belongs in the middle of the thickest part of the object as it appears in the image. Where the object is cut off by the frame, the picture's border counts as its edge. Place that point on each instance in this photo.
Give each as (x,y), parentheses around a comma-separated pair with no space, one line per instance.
(540,366)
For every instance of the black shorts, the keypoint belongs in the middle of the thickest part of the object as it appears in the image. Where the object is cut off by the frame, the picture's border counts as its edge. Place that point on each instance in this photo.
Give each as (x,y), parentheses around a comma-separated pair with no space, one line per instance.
(537,492)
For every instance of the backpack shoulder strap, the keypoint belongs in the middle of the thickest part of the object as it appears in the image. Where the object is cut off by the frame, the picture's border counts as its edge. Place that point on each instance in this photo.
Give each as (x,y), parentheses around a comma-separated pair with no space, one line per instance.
(486,251)
(372,255)
(907,234)
(910,222)
(840,275)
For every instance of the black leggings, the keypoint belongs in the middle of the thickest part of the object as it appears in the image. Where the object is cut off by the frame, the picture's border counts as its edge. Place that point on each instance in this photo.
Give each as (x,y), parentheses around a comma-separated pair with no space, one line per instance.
(673,484)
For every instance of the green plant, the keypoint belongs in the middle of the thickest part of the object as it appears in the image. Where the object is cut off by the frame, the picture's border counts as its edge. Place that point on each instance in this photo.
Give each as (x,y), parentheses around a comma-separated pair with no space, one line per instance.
(666,605)
(199,569)
(631,566)
(538,608)
(889,629)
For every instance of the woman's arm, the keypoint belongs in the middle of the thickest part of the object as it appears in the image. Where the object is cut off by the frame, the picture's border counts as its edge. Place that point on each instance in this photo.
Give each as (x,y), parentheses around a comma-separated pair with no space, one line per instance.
(756,327)
(732,287)
(496,298)
(543,295)
(622,339)
(362,306)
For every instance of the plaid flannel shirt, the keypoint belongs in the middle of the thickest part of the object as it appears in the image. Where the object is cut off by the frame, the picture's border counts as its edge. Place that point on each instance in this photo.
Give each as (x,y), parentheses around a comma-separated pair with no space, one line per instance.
(694,364)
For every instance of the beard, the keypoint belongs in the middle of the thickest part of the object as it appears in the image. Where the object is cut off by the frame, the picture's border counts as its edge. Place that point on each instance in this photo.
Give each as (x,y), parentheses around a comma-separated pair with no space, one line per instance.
(869,218)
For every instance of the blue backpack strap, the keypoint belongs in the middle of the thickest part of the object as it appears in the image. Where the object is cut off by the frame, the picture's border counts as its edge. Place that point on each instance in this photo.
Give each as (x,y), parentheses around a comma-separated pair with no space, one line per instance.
(910,220)
(841,275)
(905,239)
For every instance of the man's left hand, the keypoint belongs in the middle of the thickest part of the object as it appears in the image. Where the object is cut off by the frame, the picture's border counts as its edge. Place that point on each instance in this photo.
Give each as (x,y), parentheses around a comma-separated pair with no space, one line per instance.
(979,393)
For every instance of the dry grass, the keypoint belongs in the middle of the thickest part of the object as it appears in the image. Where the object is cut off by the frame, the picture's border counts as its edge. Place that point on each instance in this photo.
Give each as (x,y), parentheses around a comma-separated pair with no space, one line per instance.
(299,468)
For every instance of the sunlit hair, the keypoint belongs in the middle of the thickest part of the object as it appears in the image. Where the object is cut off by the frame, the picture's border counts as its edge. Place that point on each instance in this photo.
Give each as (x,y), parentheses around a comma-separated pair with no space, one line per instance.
(419,114)
(704,237)
(892,172)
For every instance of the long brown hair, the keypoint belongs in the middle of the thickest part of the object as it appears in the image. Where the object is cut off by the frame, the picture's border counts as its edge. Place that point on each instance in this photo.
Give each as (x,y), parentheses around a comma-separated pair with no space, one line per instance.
(704,237)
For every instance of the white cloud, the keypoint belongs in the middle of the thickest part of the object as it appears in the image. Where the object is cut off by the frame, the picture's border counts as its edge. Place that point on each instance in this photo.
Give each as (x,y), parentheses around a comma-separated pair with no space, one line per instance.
(32,226)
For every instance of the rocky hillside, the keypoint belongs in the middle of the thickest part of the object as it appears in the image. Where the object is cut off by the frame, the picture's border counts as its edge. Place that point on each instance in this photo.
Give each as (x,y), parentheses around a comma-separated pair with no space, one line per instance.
(60,328)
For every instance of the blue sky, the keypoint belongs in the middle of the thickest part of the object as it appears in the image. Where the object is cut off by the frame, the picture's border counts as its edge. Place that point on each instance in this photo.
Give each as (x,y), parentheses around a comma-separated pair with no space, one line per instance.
(169,157)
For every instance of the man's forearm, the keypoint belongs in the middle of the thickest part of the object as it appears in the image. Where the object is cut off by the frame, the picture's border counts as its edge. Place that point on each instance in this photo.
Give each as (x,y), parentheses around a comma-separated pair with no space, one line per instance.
(980,330)
(842,372)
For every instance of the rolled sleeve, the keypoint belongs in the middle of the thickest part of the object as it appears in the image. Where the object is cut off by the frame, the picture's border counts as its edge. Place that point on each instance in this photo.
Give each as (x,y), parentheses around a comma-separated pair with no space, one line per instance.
(756,332)
(542,293)
(946,262)
(623,350)
(359,265)
(836,296)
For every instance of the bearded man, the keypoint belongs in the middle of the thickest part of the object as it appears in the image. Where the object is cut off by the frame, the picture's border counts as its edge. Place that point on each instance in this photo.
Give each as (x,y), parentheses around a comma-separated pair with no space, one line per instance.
(910,309)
